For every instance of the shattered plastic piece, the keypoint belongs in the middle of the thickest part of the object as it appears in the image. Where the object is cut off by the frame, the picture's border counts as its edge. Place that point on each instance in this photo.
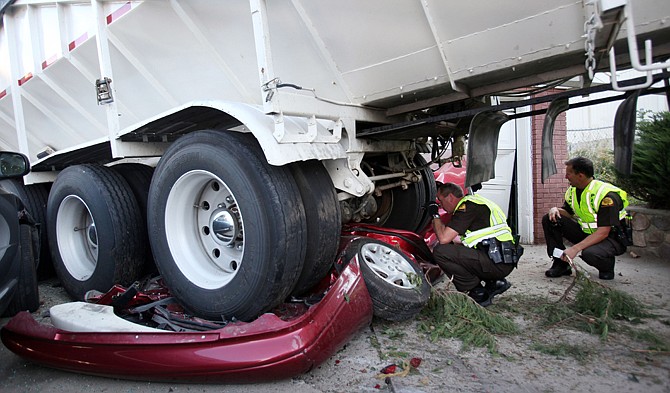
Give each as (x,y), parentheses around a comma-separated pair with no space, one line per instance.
(391,369)
(395,370)
(415,362)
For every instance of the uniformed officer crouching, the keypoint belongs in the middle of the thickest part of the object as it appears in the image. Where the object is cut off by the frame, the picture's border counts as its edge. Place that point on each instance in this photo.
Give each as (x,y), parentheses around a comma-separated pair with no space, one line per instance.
(476,245)
(593,218)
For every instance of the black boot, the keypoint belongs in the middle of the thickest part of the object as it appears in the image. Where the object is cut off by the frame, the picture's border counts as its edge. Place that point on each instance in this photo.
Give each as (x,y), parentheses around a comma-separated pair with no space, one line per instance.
(558,268)
(496,287)
(607,271)
(480,295)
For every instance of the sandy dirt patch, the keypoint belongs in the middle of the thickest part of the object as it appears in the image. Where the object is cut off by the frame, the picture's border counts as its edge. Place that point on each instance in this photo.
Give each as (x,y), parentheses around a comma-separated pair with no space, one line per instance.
(618,364)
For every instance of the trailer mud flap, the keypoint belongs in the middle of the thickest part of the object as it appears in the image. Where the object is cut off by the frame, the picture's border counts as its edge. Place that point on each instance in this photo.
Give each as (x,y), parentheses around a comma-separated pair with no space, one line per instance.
(483,146)
(556,107)
(624,133)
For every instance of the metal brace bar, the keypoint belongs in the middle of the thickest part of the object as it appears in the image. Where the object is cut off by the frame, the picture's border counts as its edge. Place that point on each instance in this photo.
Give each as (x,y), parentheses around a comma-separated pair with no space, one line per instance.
(613,77)
(632,45)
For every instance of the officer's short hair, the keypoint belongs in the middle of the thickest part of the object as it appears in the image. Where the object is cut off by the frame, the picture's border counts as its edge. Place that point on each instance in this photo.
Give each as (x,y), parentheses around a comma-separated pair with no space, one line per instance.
(581,165)
(450,188)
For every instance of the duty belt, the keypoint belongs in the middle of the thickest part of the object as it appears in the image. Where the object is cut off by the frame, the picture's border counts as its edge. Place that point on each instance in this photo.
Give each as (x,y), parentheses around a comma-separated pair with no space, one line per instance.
(502,252)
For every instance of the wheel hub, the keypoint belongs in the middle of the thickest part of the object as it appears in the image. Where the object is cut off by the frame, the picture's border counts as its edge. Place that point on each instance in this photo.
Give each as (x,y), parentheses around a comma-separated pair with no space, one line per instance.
(224,227)
(92,235)
(204,214)
(77,237)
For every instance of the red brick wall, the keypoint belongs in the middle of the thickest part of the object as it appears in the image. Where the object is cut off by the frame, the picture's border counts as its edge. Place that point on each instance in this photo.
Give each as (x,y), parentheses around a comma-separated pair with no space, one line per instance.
(552,191)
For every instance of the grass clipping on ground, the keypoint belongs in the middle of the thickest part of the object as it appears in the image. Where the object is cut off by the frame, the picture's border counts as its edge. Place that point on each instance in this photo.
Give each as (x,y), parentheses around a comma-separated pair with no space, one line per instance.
(605,305)
(595,308)
(452,314)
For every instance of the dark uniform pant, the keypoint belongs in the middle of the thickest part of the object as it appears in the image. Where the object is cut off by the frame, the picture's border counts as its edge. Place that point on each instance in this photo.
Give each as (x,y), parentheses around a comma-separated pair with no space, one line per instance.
(468,266)
(601,255)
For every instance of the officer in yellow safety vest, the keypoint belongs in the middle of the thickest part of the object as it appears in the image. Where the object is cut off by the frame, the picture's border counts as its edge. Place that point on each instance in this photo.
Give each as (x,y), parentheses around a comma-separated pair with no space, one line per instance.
(593,219)
(476,245)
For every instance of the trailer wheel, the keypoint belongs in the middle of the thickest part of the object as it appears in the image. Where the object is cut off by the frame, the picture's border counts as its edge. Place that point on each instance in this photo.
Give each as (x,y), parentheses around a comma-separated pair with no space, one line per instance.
(324,222)
(396,284)
(138,177)
(34,198)
(430,186)
(95,230)
(26,297)
(227,229)
(408,210)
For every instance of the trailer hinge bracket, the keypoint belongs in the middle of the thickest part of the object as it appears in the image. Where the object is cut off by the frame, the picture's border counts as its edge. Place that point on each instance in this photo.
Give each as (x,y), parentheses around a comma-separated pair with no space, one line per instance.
(103,90)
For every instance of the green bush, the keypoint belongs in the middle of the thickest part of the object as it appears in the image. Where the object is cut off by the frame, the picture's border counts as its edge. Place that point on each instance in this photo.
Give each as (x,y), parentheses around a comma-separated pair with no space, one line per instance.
(651,161)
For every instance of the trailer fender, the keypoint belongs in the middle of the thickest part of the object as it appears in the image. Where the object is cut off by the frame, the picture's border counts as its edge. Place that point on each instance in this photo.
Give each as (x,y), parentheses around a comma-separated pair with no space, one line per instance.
(298,139)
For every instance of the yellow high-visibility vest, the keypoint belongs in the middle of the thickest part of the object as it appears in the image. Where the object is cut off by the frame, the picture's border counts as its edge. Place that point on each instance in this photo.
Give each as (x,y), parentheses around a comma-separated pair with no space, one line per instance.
(498,223)
(589,203)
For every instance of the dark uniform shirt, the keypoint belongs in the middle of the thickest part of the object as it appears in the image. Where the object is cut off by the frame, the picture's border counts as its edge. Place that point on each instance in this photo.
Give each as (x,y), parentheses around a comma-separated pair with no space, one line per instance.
(470,216)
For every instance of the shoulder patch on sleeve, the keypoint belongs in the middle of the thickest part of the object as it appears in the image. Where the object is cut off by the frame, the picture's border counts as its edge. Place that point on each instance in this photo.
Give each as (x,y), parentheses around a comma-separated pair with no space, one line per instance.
(607,201)
(461,208)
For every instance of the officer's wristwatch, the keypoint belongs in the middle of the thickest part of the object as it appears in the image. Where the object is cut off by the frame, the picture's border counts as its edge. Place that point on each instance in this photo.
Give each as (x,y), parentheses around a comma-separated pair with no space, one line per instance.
(436,216)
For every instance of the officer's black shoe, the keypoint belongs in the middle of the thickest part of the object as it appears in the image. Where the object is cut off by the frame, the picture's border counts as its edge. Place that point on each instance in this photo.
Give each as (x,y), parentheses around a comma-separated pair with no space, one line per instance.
(607,271)
(559,268)
(481,296)
(496,287)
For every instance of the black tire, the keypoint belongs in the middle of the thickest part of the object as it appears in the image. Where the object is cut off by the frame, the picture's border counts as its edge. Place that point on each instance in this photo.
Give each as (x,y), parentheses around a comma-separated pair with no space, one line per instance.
(250,264)
(95,230)
(430,186)
(407,211)
(324,222)
(34,198)
(26,297)
(10,240)
(138,177)
(396,284)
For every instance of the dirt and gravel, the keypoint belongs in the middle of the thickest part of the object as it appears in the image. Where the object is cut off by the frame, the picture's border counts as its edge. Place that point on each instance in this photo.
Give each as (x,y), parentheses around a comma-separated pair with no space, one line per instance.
(618,364)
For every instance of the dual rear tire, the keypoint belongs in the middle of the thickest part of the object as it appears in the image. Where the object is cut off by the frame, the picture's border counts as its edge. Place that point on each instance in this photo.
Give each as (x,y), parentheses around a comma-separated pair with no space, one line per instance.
(231,235)
(227,230)
(95,230)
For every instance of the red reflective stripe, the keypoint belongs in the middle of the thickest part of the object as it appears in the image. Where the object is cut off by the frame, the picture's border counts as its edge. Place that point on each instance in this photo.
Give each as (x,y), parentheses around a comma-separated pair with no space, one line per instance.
(110,18)
(3,94)
(46,63)
(118,13)
(26,78)
(78,41)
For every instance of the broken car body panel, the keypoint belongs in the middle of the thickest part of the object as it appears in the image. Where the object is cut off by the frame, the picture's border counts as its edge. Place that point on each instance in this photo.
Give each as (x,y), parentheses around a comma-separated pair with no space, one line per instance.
(268,348)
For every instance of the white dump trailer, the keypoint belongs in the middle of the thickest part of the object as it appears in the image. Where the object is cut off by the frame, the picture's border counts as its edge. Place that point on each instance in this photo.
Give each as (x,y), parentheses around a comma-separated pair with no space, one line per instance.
(230,140)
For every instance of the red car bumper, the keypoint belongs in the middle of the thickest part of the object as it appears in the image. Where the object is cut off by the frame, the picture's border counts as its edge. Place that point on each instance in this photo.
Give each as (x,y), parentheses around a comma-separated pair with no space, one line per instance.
(268,348)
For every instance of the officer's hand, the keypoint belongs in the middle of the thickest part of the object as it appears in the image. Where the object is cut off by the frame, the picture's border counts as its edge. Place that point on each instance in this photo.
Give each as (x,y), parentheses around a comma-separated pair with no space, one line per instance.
(569,254)
(433,209)
(554,214)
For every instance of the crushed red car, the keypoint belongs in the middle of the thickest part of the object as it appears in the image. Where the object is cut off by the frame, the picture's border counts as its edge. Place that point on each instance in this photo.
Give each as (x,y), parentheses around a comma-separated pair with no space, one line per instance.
(141,333)
(93,338)
(265,349)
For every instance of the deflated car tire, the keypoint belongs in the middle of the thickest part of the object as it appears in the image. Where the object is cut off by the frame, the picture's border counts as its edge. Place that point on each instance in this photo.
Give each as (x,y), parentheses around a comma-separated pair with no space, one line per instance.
(396,284)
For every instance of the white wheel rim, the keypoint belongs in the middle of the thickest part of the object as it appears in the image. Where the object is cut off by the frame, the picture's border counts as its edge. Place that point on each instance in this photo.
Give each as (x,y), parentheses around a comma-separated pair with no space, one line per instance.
(204,229)
(77,237)
(389,265)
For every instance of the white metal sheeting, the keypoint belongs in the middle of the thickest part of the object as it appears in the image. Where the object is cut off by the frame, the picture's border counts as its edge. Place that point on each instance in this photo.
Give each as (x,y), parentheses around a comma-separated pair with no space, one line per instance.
(164,54)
